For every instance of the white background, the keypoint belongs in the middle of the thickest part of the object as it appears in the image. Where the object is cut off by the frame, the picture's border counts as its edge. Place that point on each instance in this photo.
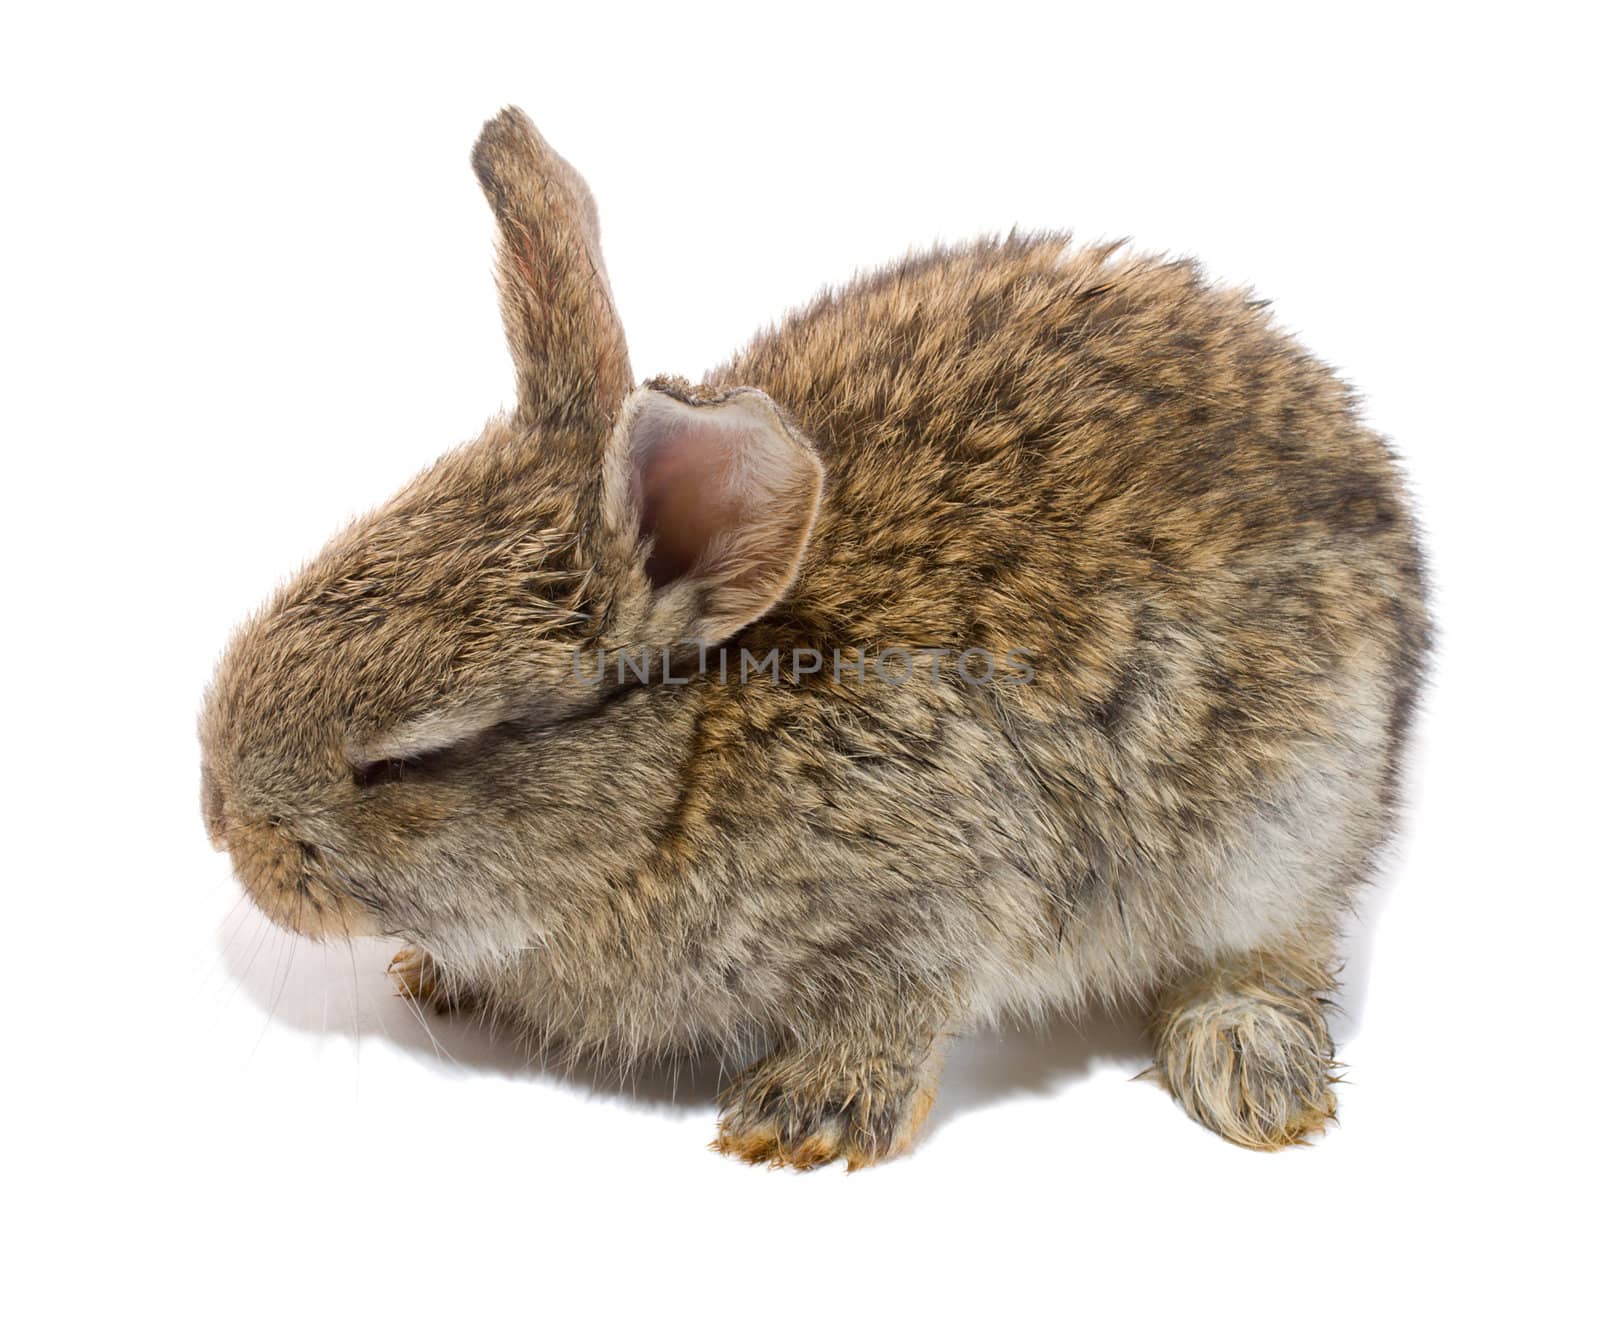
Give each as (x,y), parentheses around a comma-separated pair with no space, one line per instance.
(247,291)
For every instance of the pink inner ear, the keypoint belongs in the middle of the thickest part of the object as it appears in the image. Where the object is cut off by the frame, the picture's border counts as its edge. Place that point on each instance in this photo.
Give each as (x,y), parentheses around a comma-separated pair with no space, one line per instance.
(684,490)
(726,493)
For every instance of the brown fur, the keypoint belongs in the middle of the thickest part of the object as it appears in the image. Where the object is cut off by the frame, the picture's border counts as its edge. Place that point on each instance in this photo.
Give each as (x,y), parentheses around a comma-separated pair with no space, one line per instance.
(1245,1047)
(1019,445)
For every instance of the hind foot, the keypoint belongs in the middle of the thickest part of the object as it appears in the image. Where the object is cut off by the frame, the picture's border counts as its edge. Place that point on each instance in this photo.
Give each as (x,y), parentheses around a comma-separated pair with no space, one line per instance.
(1245,1049)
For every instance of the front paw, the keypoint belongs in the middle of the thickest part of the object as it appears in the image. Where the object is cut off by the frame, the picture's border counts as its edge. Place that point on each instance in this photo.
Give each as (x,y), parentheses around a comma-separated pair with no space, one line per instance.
(805,1110)
(419,978)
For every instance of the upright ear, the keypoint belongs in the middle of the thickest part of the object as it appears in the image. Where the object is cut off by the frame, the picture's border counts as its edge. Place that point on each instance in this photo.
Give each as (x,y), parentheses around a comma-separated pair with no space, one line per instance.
(570,355)
(723,492)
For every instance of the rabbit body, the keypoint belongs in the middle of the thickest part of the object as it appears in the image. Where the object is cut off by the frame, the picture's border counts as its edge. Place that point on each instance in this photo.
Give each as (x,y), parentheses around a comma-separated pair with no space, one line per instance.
(1155,608)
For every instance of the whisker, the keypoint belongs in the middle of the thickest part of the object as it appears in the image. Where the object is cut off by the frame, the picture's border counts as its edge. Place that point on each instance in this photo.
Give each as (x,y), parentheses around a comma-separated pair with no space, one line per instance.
(355,983)
(267,928)
(272,1005)
(237,916)
(325,980)
(420,1015)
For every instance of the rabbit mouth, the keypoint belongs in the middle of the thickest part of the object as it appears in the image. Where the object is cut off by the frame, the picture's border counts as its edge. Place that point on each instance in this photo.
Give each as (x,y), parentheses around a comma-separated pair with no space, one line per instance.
(212,808)
(289,882)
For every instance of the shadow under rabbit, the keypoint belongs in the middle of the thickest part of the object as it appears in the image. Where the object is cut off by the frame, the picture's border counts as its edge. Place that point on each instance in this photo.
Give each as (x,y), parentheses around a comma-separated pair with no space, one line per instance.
(343,990)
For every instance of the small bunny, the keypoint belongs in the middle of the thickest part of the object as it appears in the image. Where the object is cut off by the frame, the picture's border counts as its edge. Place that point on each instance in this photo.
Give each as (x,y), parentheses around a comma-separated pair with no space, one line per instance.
(1022,626)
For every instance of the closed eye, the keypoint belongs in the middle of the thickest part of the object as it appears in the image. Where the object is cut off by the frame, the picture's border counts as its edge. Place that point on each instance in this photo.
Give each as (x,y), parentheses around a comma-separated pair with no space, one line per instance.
(388,770)
(455,742)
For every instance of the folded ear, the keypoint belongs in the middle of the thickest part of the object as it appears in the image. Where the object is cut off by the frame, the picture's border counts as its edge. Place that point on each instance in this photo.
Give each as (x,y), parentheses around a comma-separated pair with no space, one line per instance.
(723,492)
(570,355)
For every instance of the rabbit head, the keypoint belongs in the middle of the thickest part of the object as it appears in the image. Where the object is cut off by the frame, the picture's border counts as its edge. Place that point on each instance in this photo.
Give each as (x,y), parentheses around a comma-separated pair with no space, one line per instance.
(405,740)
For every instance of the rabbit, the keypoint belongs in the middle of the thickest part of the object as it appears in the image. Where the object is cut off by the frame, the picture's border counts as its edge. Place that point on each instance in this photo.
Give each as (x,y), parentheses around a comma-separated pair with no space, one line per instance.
(551,716)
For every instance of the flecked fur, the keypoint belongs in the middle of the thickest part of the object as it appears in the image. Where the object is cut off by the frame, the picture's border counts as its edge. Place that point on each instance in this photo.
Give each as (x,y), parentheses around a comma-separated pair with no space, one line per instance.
(1018,444)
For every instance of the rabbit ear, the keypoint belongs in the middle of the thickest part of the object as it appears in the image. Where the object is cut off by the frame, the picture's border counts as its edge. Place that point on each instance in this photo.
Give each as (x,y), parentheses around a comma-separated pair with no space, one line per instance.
(724,491)
(570,355)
